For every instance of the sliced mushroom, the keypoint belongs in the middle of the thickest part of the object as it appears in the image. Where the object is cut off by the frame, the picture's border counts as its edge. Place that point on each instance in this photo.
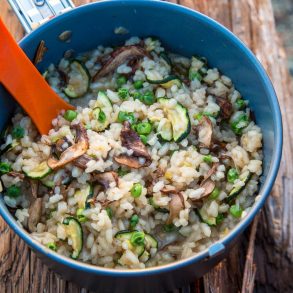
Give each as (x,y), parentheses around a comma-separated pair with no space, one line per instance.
(225,106)
(120,56)
(175,206)
(131,162)
(208,185)
(205,132)
(35,213)
(106,178)
(34,188)
(212,171)
(168,190)
(105,203)
(131,140)
(82,161)
(16,174)
(73,152)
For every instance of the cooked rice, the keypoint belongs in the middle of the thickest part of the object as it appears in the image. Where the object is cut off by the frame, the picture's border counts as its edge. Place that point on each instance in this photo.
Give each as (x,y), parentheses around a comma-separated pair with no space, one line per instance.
(178,165)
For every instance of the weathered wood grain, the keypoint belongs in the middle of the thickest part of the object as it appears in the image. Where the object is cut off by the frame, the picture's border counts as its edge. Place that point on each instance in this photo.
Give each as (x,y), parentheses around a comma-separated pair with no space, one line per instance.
(253,22)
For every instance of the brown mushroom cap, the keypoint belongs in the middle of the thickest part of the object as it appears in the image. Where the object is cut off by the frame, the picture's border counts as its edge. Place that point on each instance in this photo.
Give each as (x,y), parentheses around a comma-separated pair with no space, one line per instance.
(35,213)
(74,151)
(225,106)
(106,178)
(205,132)
(120,56)
(131,140)
(175,206)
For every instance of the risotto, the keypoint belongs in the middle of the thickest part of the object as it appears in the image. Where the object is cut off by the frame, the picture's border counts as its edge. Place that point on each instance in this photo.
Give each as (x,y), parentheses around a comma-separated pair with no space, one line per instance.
(160,159)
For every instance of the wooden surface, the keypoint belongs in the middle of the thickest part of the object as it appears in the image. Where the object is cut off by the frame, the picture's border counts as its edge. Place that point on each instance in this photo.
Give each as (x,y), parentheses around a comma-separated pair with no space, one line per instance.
(272,265)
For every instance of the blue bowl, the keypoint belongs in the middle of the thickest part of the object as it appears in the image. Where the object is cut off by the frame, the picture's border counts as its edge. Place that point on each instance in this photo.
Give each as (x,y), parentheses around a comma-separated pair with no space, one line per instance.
(186,32)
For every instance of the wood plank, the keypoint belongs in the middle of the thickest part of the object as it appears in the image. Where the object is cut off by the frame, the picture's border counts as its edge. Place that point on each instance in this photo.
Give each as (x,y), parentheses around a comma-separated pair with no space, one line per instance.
(253,22)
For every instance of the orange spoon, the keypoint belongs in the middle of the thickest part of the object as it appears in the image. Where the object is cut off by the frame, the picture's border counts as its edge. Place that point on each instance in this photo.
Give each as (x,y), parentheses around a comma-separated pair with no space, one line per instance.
(24,82)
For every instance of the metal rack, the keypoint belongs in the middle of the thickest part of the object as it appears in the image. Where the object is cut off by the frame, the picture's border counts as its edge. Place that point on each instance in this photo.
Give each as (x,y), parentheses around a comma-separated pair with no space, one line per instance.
(33,13)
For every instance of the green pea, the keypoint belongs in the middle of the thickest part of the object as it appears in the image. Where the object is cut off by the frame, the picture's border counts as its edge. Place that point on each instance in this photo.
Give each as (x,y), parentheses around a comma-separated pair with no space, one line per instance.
(240,104)
(215,193)
(137,238)
(125,116)
(149,98)
(17,132)
(220,218)
(80,216)
(138,96)
(232,175)
(143,139)
(52,246)
(136,190)
(133,221)
(144,128)
(138,84)
(109,212)
(123,93)
(207,159)
(70,115)
(121,80)
(236,211)
(13,191)
(5,168)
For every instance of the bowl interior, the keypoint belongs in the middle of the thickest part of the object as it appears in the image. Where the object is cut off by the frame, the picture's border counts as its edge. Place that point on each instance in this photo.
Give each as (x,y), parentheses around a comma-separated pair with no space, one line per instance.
(181,31)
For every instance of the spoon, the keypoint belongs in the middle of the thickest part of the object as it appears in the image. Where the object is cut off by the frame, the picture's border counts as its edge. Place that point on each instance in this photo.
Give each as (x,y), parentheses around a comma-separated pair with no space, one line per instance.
(24,82)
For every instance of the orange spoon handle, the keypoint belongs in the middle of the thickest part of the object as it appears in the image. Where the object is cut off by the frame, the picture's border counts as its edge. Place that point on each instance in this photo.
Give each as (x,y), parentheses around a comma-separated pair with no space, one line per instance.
(24,82)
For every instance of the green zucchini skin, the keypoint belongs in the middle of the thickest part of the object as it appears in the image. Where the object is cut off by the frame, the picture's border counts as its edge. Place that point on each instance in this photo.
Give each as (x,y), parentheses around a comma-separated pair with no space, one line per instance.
(83,71)
(178,116)
(149,242)
(167,82)
(40,172)
(9,147)
(236,190)
(74,228)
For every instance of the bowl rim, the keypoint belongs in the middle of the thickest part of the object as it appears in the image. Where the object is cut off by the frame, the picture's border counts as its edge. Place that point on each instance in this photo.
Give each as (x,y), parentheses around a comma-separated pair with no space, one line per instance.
(223,242)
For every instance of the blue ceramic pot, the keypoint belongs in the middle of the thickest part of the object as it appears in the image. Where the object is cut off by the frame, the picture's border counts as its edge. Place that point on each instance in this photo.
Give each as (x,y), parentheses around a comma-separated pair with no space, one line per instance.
(186,32)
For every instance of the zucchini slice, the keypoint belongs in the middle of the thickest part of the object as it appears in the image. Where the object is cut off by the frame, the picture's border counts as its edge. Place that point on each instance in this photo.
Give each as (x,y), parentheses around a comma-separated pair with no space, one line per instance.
(179,118)
(102,111)
(83,195)
(9,147)
(167,82)
(145,256)
(244,177)
(164,129)
(126,235)
(103,102)
(205,218)
(150,241)
(74,232)
(79,80)
(39,172)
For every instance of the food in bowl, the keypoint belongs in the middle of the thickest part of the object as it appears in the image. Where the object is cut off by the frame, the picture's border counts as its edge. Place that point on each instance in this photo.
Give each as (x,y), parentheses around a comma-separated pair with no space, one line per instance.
(161,158)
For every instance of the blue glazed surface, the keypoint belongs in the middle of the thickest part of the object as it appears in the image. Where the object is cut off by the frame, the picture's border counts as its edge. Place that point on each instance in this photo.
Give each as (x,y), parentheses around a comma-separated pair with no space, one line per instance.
(183,31)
